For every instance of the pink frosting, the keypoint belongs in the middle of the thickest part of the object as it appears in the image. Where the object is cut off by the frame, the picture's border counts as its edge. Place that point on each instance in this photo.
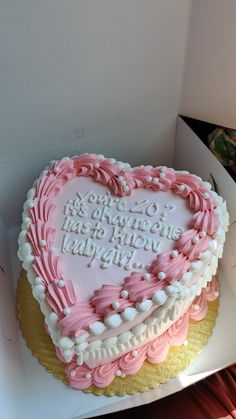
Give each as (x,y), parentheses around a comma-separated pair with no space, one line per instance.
(37,233)
(194,190)
(84,164)
(158,349)
(177,333)
(81,315)
(187,247)
(105,171)
(198,202)
(139,288)
(131,362)
(104,297)
(43,210)
(173,268)
(115,185)
(48,266)
(60,297)
(81,377)
(104,374)
(79,381)
(64,170)
(212,290)
(59,355)
(190,181)
(164,175)
(48,186)
(140,174)
(207,221)
(199,308)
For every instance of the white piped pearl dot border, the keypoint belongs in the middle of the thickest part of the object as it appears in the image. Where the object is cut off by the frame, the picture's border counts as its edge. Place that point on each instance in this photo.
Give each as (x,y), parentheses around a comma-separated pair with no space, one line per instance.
(155,180)
(124,294)
(38,280)
(66,310)
(60,283)
(123,183)
(115,305)
(72,373)
(161,275)
(195,240)
(146,276)
(118,373)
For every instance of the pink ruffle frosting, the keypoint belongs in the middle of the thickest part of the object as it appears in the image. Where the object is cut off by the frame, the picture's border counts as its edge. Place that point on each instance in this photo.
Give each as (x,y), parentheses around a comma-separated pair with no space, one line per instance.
(173,268)
(187,247)
(207,221)
(198,202)
(139,288)
(104,297)
(41,232)
(48,267)
(60,297)
(43,210)
(48,186)
(79,318)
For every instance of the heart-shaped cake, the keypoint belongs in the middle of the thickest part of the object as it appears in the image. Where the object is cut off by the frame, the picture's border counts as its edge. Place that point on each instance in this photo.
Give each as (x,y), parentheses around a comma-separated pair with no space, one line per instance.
(119,259)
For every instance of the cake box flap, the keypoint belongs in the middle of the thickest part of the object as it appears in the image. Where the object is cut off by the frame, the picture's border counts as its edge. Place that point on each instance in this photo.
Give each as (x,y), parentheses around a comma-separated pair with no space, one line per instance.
(192,154)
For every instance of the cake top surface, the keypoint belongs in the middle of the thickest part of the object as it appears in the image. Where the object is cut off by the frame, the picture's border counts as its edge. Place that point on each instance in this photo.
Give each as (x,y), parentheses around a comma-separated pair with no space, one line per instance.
(103,238)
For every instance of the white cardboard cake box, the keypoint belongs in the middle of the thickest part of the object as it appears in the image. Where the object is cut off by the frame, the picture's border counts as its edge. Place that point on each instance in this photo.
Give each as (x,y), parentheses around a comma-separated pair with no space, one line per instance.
(27,390)
(99,75)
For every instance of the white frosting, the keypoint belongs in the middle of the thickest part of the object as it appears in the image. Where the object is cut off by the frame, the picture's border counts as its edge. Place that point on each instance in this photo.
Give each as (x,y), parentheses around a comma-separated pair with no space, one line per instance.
(113,321)
(159,297)
(97,328)
(129,313)
(144,305)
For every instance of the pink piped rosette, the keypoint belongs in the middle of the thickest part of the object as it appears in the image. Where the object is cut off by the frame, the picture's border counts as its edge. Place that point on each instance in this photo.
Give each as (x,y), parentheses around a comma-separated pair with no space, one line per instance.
(70,321)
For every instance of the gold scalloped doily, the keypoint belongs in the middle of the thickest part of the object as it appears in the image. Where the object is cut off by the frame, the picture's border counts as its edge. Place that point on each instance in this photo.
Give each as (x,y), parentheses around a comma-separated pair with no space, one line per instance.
(149,376)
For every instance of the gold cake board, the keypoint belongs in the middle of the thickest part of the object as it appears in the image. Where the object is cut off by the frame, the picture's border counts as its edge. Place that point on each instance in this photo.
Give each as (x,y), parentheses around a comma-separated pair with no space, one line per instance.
(149,376)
